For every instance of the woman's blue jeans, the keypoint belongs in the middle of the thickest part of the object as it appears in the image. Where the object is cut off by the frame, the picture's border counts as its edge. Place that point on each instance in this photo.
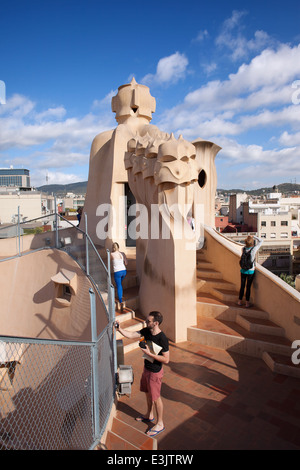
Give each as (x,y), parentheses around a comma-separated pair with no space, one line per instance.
(119,276)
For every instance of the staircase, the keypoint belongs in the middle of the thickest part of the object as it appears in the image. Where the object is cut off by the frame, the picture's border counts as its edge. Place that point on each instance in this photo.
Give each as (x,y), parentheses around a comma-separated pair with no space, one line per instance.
(221,323)
(131,318)
(122,436)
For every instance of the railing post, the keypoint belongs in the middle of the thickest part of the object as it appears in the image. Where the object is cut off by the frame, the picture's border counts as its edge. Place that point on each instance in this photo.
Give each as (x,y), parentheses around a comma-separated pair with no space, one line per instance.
(111,310)
(95,372)
(19,232)
(56,223)
(86,247)
(110,291)
(108,277)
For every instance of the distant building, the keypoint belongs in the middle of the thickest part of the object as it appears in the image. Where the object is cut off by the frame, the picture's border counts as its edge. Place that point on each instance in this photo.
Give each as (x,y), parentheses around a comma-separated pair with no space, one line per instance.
(273,217)
(221,205)
(31,205)
(221,222)
(72,201)
(236,207)
(15,177)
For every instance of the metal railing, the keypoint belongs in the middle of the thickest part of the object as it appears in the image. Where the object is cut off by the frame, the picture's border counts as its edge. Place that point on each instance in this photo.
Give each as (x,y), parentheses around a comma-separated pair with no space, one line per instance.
(55,394)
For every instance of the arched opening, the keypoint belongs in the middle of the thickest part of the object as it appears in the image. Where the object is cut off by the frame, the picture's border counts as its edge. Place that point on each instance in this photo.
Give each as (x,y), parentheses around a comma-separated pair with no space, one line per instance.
(202,179)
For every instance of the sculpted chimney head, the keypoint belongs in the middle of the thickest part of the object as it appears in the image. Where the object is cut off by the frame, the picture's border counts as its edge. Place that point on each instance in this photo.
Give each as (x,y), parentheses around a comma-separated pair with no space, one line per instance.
(133,100)
(176,162)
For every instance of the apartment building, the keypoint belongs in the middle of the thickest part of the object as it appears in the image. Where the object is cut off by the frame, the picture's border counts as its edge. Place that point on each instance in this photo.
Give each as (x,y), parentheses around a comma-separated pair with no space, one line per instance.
(236,202)
(28,204)
(72,201)
(274,226)
(15,177)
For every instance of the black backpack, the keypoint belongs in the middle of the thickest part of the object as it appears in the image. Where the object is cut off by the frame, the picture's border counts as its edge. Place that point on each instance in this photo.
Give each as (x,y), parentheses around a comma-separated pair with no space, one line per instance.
(245,261)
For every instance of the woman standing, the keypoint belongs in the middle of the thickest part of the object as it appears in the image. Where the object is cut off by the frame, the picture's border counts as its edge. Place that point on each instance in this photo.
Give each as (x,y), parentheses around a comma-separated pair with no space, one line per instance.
(248,267)
(119,262)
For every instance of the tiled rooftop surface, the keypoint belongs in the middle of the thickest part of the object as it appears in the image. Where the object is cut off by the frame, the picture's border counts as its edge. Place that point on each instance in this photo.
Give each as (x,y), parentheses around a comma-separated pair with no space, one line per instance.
(218,400)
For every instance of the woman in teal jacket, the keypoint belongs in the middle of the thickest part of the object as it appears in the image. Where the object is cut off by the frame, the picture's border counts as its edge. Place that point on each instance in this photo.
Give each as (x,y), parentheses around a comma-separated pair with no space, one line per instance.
(247,275)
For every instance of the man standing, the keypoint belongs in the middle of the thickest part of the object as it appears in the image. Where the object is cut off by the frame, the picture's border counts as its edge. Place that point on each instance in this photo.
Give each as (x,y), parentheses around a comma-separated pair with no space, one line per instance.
(151,379)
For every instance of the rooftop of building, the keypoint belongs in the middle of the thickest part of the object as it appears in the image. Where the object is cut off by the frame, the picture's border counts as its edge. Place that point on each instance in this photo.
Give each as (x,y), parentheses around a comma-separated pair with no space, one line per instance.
(218,400)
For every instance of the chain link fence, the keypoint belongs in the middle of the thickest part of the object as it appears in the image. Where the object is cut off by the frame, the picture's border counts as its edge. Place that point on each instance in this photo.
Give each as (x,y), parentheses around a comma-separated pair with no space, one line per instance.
(53,395)
(57,395)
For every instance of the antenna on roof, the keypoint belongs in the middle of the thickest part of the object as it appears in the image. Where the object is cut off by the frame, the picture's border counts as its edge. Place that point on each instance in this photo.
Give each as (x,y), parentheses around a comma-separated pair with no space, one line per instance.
(47,177)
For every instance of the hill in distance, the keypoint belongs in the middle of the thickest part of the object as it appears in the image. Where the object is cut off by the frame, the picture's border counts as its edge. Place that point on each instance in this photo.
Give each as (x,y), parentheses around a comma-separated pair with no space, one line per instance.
(80,188)
(283,188)
(63,189)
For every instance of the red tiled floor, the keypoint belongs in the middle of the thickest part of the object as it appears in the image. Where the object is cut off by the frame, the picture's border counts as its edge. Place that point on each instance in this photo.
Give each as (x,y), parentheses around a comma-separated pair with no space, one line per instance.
(215,399)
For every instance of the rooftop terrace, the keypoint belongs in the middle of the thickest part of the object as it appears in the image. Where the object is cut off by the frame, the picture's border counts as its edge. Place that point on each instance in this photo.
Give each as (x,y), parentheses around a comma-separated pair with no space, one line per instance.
(216,400)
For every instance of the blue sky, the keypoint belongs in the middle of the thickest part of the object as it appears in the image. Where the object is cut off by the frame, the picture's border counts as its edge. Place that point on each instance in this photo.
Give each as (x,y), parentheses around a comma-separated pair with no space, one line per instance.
(228,72)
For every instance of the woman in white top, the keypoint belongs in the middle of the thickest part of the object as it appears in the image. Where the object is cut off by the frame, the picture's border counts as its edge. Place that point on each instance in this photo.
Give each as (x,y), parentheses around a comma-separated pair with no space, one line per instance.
(119,262)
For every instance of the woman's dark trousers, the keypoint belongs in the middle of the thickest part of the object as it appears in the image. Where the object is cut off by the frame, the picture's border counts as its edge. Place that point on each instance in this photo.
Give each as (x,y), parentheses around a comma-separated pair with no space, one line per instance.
(246,281)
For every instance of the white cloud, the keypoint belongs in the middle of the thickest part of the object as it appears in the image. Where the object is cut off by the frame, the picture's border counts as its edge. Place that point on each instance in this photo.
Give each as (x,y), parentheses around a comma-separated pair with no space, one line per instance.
(252,166)
(57,113)
(255,104)
(17,106)
(105,102)
(169,70)
(21,127)
(48,139)
(288,139)
(38,177)
(209,68)
(232,38)
(239,153)
(258,87)
(201,36)
(266,80)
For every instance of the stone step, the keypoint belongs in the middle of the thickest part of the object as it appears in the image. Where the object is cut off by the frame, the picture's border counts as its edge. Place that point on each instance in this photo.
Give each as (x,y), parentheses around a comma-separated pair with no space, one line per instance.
(127,314)
(134,324)
(116,442)
(203,264)
(207,272)
(281,364)
(131,298)
(130,280)
(131,269)
(225,294)
(221,323)
(130,344)
(259,325)
(231,336)
(209,284)
(139,440)
(209,305)
(213,283)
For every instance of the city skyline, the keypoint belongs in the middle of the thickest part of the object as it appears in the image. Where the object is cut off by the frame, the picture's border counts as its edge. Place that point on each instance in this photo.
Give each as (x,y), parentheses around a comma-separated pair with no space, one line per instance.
(224,72)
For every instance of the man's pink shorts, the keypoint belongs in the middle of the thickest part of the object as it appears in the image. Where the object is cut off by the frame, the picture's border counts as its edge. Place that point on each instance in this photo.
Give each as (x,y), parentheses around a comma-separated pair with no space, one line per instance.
(151,383)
